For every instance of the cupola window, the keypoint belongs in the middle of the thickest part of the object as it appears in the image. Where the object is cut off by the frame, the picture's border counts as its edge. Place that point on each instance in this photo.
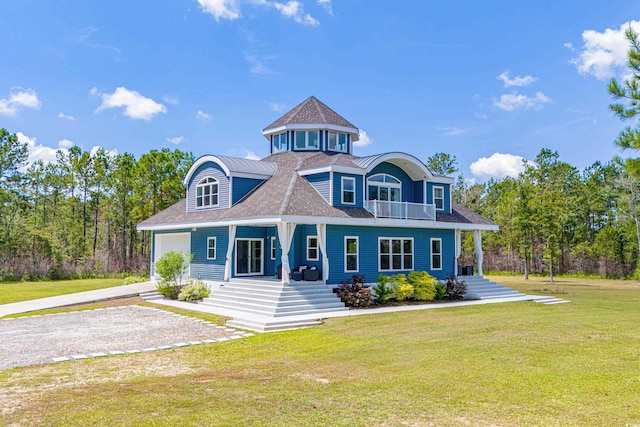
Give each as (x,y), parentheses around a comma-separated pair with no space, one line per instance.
(280,142)
(307,140)
(337,142)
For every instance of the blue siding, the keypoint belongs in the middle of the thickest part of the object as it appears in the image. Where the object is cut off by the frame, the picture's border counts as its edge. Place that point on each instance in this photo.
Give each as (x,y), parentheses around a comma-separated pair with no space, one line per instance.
(321,182)
(418,192)
(215,171)
(447,195)
(242,186)
(337,190)
(201,267)
(368,250)
(395,171)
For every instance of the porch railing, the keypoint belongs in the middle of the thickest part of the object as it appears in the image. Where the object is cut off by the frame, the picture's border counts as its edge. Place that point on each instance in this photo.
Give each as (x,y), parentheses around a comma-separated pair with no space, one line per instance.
(401,210)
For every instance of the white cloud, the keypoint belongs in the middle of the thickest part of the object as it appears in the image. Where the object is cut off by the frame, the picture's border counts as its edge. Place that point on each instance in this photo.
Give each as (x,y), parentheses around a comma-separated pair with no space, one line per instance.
(497,166)
(452,130)
(278,108)
(201,115)
(38,152)
(258,65)
(66,116)
(65,143)
(171,100)
(516,81)
(221,9)
(326,5)
(568,45)
(176,140)
(514,100)
(295,10)
(18,99)
(602,53)
(137,106)
(251,156)
(363,139)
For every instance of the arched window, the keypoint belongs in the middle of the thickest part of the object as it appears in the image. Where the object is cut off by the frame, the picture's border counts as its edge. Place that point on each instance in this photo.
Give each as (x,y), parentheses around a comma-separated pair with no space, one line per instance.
(207,193)
(384,187)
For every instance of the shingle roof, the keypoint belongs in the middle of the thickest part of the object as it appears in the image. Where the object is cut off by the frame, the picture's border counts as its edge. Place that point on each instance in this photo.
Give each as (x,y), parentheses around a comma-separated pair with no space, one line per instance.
(460,214)
(311,111)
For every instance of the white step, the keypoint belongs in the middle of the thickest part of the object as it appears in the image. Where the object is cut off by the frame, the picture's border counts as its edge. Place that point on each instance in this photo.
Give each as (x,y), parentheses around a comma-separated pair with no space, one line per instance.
(480,288)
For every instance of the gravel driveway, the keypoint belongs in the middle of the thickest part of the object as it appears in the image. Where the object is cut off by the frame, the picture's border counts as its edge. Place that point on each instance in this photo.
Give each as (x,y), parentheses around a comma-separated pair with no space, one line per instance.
(95,333)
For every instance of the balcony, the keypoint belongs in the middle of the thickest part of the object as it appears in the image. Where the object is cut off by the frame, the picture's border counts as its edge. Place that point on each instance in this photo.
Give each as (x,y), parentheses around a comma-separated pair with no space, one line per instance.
(401,210)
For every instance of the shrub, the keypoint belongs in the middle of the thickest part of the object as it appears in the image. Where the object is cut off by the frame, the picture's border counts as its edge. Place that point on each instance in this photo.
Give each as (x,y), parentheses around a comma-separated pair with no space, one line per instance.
(441,291)
(171,268)
(354,293)
(402,289)
(382,289)
(194,290)
(455,289)
(130,280)
(423,285)
(169,290)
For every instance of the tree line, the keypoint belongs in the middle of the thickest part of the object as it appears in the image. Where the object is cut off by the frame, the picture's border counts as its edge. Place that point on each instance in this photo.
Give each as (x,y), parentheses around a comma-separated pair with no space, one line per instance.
(77,216)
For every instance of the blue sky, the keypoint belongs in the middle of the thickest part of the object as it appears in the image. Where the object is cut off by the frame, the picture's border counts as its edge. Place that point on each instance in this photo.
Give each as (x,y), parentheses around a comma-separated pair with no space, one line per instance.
(488,82)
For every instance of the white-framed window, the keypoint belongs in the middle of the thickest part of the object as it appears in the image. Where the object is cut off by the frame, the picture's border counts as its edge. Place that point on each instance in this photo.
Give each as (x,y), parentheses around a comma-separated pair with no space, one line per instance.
(280,142)
(273,247)
(211,248)
(307,139)
(384,187)
(436,253)
(312,248)
(337,141)
(207,193)
(348,190)
(351,254)
(438,197)
(395,254)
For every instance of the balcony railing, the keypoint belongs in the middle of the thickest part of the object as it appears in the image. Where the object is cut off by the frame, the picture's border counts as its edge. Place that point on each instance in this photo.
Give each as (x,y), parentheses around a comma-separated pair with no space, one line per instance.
(401,210)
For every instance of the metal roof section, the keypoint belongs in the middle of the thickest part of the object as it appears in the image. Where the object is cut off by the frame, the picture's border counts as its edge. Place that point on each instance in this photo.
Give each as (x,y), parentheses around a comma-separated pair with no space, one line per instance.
(236,167)
(312,114)
(413,166)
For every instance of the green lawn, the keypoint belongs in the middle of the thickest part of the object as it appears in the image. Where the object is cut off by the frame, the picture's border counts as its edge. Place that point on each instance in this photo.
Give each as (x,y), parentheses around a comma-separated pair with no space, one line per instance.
(498,364)
(22,291)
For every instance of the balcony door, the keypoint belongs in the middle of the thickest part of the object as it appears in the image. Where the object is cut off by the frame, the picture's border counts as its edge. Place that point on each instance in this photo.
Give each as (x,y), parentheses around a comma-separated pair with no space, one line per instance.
(249,257)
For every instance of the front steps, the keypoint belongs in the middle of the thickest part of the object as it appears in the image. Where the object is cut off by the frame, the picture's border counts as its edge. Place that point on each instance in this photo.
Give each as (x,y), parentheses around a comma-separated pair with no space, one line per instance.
(542,299)
(480,288)
(273,299)
(151,295)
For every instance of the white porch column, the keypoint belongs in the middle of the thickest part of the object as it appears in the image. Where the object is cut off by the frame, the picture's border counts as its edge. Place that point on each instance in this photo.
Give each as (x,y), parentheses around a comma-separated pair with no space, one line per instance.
(477,243)
(232,242)
(285,235)
(321,230)
(458,243)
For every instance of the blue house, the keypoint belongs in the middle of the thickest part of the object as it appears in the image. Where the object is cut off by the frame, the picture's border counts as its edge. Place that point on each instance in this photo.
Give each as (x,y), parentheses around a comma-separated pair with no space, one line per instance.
(313,203)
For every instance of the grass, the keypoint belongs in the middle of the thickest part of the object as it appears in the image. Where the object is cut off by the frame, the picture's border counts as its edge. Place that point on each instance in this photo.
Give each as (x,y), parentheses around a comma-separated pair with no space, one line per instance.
(23,291)
(498,364)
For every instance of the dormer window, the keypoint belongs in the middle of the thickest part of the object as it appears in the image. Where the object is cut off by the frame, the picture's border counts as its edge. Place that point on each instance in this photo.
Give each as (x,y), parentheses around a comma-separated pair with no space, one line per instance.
(337,142)
(307,140)
(280,142)
(384,187)
(207,193)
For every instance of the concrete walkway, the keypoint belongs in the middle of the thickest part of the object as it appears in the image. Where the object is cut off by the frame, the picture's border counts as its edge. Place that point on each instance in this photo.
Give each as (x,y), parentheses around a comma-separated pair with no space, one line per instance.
(124,291)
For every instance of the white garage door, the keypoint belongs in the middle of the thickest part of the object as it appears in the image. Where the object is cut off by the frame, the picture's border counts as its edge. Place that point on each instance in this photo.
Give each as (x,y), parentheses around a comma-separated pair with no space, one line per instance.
(179,242)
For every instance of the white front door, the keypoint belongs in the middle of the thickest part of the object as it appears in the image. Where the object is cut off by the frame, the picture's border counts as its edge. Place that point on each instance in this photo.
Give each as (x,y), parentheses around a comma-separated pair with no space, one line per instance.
(179,242)
(249,255)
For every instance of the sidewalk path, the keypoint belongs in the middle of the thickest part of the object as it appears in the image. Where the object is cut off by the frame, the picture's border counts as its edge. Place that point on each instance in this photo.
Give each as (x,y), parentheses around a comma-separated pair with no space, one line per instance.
(123,291)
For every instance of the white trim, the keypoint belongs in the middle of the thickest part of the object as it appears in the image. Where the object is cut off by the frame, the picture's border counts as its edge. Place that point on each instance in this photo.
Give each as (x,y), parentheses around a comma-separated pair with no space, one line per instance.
(331,188)
(402,253)
(431,253)
(433,196)
(342,190)
(357,254)
(317,248)
(366,222)
(332,168)
(215,247)
(312,126)
(272,249)
(250,239)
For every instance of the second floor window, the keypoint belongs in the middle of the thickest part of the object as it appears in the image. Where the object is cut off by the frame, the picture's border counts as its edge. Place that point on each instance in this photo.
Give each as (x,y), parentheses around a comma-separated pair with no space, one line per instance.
(348,191)
(384,187)
(207,193)
(438,197)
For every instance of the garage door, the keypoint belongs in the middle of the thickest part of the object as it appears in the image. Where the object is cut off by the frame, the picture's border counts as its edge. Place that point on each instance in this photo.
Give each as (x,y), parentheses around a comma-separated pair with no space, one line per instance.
(179,242)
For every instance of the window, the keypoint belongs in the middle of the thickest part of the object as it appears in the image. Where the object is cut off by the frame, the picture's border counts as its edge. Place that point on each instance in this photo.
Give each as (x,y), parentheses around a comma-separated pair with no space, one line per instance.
(384,187)
(438,197)
(436,254)
(351,262)
(211,248)
(337,141)
(307,140)
(207,193)
(312,248)
(273,247)
(280,142)
(395,254)
(348,191)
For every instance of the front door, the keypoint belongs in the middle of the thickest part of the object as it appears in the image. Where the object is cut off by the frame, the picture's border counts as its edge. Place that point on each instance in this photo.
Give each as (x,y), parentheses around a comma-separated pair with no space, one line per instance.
(248,257)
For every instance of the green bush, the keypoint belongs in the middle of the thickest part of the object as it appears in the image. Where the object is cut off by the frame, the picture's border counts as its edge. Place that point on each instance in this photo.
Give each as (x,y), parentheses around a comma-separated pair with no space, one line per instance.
(171,268)
(402,289)
(382,289)
(441,290)
(423,285)
(194,290)
(130,280)
(169,290)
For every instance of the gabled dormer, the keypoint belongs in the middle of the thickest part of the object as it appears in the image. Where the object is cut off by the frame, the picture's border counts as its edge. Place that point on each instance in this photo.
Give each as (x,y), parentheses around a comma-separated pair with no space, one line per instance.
(311,126)
(219,182)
